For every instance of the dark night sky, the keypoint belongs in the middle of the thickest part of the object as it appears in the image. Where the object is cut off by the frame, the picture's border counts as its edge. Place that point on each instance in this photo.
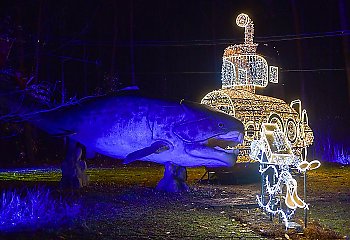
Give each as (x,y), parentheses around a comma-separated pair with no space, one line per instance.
(175,47)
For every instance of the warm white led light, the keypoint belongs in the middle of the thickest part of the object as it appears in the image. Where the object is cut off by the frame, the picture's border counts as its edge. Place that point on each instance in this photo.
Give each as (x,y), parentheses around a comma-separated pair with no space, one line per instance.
(252,71)
(243,20)
(243,70)
(220,101)
(228,74)
(273,74)
(258,109)
(277,134)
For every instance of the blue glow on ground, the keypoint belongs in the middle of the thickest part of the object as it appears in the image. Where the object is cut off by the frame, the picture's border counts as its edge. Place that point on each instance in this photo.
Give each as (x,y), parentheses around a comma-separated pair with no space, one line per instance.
(31,209)
(330,151)
(338,154)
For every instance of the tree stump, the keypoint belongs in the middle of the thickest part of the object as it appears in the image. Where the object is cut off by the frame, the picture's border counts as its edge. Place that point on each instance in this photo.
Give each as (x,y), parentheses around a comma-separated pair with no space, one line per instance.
(174,179)
(73,167)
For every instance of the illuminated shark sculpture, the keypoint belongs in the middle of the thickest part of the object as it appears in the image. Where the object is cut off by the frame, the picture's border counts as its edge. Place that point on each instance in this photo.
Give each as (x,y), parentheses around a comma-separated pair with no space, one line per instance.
(132,127)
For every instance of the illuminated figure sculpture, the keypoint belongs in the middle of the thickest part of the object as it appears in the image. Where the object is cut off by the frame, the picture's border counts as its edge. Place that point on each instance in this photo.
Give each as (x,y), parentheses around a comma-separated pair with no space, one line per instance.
(243,70)
(279,193)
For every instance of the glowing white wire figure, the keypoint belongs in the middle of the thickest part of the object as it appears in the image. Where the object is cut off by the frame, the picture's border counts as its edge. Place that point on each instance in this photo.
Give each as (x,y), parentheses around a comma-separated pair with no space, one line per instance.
(274,152)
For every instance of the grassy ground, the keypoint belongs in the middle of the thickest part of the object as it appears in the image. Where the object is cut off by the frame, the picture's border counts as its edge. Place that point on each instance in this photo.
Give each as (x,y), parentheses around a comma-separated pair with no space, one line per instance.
(120,203)
(329,190)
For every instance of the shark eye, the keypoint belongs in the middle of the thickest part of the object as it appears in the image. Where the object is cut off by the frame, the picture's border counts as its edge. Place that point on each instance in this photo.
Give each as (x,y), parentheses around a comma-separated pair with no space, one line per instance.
(221,125)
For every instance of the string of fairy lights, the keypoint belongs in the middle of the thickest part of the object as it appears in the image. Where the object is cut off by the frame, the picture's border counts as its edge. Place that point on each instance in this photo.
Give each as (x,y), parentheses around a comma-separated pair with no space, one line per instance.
(243,70)
(277,134)
(274,152)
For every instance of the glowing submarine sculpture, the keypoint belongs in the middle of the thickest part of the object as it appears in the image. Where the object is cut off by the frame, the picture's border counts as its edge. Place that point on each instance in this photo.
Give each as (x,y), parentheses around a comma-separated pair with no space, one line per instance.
(132,127)
(243,70)
(277,134)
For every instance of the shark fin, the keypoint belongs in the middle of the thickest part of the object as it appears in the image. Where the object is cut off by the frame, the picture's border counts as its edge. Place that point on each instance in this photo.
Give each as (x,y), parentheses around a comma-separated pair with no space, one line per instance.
(130,88)
(64,133)
(156,147)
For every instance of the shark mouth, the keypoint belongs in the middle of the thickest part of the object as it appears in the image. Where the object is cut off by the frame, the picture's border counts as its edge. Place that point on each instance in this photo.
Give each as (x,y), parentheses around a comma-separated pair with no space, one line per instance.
(226,142)
(219,150)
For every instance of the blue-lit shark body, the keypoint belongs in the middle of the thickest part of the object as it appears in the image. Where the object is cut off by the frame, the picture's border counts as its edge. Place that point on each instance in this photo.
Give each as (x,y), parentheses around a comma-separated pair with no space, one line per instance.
(132,127)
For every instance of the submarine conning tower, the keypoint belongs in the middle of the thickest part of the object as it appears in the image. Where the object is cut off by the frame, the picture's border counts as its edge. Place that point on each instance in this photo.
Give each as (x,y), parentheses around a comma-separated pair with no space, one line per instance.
(242,67)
